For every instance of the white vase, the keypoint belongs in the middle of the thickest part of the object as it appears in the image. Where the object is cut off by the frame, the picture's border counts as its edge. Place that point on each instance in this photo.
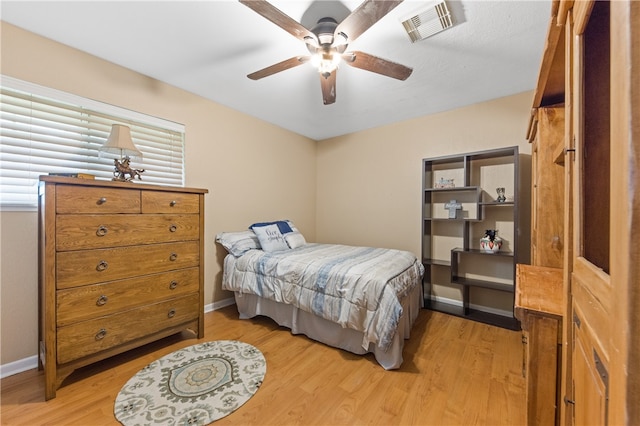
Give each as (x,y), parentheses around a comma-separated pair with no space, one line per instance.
(490,243)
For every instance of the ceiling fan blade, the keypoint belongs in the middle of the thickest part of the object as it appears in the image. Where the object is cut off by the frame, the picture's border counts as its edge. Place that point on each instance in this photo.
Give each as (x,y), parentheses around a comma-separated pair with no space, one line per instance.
(378,65)
(328,83)
(280,66)
(275,15)
(364,16)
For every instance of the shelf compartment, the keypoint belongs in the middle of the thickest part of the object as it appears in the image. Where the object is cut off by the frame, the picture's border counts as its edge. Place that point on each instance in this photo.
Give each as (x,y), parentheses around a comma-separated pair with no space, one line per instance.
(436,262)
(508,288)
(497,203)
(481,252)
(502,321)
(446,219)
(454,189)
(436,199)
(475,276)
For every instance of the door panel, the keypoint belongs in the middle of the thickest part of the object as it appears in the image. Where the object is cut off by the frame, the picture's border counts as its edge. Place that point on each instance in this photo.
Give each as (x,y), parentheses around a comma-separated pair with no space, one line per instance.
(591,291)
(590,388)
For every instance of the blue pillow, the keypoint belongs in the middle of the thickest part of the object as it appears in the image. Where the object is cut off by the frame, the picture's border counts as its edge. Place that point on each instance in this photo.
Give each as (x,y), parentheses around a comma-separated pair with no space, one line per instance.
(283,225)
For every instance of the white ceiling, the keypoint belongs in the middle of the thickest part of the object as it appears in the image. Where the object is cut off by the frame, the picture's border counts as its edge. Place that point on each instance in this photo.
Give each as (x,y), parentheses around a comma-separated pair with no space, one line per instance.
(493,50)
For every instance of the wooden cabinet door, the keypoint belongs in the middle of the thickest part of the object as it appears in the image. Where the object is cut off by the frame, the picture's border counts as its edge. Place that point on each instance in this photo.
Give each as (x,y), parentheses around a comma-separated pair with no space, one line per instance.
(591,287)
(547,189)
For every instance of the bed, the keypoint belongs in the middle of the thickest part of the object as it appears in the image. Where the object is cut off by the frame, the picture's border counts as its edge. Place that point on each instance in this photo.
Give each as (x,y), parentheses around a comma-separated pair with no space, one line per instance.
(360,299)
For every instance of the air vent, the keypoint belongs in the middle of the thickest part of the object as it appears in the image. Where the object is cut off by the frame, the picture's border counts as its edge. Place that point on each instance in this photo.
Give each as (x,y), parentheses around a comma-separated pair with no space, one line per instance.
(430,21)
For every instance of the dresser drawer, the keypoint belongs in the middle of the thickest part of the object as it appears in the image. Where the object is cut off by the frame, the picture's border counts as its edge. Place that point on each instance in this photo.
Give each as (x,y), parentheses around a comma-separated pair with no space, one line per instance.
(170,202)
(79,199)
(75,268)
(92,301)
(89,337)
(76,232)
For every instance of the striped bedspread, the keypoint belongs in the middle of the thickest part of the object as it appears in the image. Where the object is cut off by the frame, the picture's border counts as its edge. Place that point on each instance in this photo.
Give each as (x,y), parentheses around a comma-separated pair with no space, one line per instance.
(356,287)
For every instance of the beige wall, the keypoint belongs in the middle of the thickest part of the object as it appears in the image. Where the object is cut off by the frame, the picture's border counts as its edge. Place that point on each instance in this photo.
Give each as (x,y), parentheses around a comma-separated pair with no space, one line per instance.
(361,189)
(239,159)
(369,183)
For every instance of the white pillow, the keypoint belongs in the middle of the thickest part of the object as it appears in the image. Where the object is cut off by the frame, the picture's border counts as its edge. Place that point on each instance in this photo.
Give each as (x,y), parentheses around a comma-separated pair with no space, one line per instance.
(270,237)
(295,239)
(238,243)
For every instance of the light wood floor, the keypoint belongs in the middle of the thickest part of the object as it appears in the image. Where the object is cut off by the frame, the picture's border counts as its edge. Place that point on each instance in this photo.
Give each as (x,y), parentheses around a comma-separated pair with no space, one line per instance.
(455,372)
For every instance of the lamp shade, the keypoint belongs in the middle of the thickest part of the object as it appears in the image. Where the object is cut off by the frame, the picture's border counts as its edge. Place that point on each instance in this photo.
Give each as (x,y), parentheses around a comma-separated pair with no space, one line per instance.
(120,142)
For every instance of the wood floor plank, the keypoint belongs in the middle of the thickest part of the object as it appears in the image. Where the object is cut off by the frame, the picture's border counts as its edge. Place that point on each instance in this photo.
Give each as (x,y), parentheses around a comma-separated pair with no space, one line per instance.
(455,372)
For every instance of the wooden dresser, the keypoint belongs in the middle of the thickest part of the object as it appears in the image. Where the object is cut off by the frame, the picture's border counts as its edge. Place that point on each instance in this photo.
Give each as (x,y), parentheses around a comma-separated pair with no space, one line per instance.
(120,265)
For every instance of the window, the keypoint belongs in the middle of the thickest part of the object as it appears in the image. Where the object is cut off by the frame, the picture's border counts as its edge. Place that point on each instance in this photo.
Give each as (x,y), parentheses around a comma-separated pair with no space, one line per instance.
(46,131)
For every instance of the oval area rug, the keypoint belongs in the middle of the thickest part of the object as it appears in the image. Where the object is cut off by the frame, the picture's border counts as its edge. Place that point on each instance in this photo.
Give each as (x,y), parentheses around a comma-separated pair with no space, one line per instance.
(192,386)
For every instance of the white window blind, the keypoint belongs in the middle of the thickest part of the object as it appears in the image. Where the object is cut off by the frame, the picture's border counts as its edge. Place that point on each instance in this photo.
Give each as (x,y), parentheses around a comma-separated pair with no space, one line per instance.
(45,131)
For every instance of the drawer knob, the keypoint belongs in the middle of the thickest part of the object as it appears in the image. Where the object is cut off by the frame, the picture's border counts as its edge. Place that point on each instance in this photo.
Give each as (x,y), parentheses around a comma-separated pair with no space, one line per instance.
(171,313)
(173,285)
(102,231)
(102,266)
(173,203)
(101,334)
(102,300)
(173,256)
(102,200)
(173,228)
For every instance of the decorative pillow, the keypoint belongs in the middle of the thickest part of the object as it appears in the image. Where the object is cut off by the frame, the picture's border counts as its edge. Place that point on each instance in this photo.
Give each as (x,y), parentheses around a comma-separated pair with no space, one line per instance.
(238,243)
(295,239)
(270,237)
(284,226)
(292,226)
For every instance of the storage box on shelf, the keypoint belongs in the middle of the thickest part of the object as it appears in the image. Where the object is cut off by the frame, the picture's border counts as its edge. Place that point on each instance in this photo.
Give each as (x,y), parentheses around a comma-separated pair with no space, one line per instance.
(461,202)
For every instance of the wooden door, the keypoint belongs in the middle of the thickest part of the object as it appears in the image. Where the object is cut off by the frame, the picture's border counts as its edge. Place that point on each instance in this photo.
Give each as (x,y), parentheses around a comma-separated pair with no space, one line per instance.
(591,290)
(624,384)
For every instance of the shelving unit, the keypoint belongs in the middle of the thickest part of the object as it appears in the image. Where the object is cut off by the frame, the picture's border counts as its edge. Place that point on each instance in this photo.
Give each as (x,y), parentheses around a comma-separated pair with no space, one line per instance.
(461,279)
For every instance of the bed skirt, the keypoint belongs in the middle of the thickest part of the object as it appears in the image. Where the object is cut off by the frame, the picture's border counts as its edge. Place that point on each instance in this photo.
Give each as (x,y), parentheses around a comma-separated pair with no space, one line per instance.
(330,333)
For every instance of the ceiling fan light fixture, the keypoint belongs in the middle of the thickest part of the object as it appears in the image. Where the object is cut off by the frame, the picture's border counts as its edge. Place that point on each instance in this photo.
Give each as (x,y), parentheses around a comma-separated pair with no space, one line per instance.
(325,62)
(340,38)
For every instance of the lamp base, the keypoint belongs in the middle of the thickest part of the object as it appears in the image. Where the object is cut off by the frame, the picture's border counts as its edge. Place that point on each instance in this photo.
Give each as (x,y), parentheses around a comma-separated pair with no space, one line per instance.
(123,169)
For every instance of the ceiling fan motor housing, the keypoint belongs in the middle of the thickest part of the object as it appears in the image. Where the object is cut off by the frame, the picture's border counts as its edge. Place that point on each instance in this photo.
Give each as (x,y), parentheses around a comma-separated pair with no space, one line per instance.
(325,32)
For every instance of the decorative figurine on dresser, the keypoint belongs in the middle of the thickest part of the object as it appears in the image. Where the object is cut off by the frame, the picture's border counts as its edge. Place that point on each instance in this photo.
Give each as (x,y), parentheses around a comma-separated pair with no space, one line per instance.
(121,265)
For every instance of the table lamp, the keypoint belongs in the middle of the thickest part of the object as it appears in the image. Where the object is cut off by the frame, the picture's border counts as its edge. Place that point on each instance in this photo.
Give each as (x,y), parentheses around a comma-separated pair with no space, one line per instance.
(120,142)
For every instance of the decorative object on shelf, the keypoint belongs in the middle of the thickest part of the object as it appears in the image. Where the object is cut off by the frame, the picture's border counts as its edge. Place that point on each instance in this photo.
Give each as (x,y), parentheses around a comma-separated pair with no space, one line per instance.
(120,142)
(490,243)
(444,183)
(501,197)
(453,206)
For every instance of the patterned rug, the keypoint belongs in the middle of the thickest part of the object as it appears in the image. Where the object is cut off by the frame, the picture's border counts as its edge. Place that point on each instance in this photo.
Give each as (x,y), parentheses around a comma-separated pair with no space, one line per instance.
(193,386)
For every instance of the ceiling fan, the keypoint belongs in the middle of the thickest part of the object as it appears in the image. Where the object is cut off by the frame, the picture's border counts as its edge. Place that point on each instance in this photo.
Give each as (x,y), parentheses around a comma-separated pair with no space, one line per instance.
(327,43)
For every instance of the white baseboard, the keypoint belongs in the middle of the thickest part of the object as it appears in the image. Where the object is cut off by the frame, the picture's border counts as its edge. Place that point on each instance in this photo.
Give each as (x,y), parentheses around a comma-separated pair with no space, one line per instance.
(15,367)
(219,304)
(18,366)
(481,308)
